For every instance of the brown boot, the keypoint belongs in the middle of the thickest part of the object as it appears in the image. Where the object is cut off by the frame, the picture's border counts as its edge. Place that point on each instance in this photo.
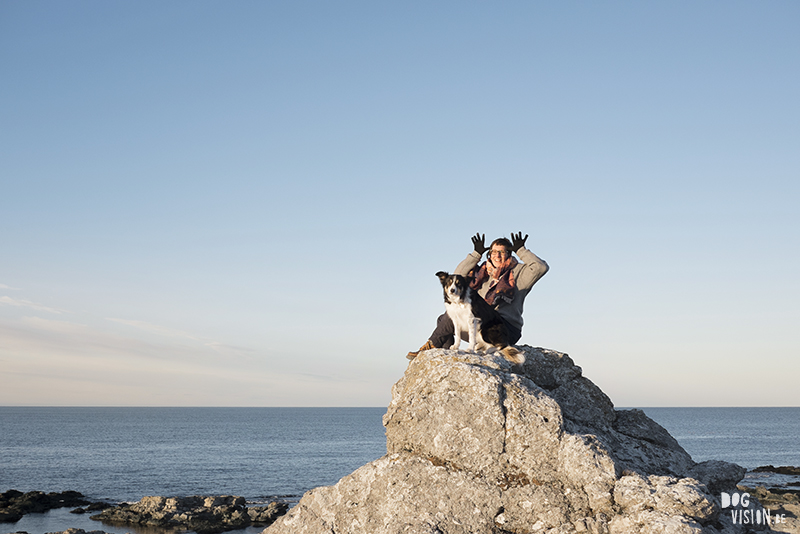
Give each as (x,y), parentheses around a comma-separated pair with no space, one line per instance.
(427,346)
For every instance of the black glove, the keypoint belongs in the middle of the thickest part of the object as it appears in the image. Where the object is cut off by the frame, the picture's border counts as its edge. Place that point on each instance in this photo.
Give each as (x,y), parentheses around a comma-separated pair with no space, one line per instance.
(479,242)
(517,241)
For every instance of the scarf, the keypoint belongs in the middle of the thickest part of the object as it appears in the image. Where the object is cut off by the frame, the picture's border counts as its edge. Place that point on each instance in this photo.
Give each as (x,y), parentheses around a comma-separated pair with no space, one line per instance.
(504,285)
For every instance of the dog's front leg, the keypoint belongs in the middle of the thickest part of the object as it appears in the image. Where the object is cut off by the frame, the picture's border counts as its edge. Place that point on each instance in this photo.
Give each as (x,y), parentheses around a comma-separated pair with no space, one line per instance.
(458,340)
(473,328)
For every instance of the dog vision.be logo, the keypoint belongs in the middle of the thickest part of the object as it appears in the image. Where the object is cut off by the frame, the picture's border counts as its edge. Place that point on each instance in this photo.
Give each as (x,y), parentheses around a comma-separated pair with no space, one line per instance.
(743,514)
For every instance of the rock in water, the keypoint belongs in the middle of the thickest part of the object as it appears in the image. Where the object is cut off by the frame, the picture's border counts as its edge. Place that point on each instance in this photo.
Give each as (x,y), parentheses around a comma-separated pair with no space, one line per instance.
(204,515)
(15,504)
(478,445)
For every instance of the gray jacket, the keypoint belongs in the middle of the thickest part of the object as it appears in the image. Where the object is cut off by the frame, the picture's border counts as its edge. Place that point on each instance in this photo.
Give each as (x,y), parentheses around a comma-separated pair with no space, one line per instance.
(525,274)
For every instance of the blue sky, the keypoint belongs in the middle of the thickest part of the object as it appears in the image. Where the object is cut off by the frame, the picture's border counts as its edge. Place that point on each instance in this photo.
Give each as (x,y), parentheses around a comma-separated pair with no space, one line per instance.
(245,203)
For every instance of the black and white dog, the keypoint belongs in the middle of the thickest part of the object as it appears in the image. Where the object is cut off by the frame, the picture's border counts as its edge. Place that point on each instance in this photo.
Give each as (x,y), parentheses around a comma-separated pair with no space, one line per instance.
(474,316)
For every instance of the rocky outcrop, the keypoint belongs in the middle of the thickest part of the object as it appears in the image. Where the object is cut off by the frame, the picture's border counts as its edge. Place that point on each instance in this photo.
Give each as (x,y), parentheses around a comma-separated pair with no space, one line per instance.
(782,470)
(94,507)
(784,503)
(478,445)
(204,515)
(15,504)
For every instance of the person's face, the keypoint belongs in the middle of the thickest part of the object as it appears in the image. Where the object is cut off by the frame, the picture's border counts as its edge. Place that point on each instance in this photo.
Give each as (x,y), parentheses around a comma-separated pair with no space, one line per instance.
(498,254)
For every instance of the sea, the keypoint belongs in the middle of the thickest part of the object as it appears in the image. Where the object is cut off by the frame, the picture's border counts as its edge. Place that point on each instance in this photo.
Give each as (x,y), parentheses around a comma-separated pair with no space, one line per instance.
(264,454)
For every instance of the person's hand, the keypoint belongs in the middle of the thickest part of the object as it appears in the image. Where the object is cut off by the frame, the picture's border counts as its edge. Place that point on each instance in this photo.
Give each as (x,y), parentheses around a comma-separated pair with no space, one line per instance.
(479,242)
(517,241)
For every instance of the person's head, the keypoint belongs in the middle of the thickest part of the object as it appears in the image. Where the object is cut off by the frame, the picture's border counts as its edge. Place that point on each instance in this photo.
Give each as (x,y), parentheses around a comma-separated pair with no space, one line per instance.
(499,251)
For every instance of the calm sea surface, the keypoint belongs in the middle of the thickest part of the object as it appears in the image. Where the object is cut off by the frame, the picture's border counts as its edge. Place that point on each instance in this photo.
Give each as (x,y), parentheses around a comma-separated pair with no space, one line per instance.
(124,454)
(750,437)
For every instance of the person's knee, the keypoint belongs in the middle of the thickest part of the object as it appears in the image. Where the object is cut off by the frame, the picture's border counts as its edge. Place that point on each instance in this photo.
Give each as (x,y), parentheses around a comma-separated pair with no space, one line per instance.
(444,333)
(444,323)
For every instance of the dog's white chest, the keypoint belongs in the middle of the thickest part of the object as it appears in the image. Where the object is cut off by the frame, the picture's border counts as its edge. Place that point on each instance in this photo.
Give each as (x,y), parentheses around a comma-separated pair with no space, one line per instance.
(461,315)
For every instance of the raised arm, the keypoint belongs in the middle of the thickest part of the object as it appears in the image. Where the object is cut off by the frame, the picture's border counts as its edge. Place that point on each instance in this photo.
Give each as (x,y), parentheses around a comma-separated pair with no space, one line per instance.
(534,267)
(469,263)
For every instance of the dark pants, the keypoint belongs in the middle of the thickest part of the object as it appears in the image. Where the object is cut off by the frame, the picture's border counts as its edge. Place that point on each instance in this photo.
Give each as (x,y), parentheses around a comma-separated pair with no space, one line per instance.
(444,335)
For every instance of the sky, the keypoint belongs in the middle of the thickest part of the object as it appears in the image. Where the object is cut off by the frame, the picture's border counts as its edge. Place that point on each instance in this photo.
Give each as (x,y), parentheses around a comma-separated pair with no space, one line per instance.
(245,203)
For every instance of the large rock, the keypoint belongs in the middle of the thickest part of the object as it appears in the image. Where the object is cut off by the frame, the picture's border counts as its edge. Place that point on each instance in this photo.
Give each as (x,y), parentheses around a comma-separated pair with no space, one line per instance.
(15,504)
(204,515)
(478,445)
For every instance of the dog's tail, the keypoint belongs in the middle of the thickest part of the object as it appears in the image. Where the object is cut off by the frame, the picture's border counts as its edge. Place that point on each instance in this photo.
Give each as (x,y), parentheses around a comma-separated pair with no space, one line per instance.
(513,355)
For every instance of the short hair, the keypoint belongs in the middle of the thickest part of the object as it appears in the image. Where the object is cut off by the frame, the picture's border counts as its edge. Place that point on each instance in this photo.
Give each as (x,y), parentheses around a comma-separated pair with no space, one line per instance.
(502,241)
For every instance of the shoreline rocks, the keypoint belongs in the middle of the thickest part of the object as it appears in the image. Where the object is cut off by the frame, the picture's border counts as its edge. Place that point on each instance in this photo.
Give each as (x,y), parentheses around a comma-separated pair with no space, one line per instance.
(204,515)
(476,444)
(780,502)
(15,504)
(782,470)
(68,531)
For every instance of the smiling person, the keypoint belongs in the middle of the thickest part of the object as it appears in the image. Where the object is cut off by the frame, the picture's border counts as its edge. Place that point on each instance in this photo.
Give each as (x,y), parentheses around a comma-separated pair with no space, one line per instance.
(501,280)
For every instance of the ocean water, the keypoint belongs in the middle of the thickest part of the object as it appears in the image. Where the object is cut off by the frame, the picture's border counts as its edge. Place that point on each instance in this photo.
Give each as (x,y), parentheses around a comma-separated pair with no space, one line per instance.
(124,454)
(750,437)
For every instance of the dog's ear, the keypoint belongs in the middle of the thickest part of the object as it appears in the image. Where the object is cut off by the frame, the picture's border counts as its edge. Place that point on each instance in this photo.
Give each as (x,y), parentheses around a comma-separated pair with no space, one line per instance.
(442,275)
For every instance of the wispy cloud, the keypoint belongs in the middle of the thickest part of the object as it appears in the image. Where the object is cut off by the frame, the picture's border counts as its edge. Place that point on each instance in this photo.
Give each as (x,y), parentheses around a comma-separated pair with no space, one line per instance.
(153,328)
(3,286)
(49,325)
(49,361)
(38,335)
(79,342)
(8,301)
(52,362)
(228,350)
(221,348)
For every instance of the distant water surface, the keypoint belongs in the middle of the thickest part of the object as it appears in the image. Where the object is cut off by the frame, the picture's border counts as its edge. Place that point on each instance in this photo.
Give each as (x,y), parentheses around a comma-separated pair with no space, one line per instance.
(750,437)
(124,454)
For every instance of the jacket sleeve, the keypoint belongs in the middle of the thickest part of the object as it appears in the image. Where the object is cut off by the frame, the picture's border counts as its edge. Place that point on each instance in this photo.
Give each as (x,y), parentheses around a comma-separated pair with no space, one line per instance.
(468,264)
(534,268)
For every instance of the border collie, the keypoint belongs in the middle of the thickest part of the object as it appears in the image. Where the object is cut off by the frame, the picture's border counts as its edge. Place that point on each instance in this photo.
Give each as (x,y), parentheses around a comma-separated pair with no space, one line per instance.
(474,316)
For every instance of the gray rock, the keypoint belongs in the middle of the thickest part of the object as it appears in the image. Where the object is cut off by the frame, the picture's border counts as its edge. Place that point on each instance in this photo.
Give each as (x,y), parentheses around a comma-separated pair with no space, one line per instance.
(584,402)
(265,515)
(204,515)
(548,368)
(665,495)
(782,470)
(477,445)
(15,504)
(717,475)
(635,424)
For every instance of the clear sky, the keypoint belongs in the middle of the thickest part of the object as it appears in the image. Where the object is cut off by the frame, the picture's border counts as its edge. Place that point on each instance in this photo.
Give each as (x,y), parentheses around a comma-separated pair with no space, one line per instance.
(244,203)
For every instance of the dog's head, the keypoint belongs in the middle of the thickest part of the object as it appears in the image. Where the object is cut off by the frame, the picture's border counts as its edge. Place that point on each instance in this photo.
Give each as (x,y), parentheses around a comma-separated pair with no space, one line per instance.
(455,286)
